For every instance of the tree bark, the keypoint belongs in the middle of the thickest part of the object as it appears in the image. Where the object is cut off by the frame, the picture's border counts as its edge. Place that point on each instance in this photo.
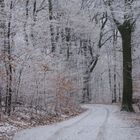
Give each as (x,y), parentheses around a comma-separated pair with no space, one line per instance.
(2,29)
(8,64)
(52,31)
(33,24)
(25,23)
(126,32)
(86,92)
(115,65)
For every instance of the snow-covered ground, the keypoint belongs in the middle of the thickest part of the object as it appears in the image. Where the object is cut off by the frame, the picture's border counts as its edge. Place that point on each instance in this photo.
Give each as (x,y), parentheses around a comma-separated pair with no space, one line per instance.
(100,122)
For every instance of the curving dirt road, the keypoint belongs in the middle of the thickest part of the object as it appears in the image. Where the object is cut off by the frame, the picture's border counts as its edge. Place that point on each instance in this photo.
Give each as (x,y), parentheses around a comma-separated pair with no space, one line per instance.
(100,122)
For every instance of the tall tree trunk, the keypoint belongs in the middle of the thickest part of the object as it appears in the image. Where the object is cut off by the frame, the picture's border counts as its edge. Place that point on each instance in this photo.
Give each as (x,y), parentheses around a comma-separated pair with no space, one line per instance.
(126,32)
(110,80)
(86,92)
(52,31)
(86,73)
(68,41)
(119,86)
(33,24)
(2,30)
(25,23)
(115,86)
(8,64)
(115,75)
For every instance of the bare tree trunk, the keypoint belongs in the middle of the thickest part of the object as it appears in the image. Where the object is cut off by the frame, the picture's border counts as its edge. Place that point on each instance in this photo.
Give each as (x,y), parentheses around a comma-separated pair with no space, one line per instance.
(110,80)
(119,92)
(68,41)
(126,31)
(8,64)
(86,75)
(109,74)
(2,30)
(33,24)
(115,86)
(86,92)
(52,31)
(25,23)
(115,75)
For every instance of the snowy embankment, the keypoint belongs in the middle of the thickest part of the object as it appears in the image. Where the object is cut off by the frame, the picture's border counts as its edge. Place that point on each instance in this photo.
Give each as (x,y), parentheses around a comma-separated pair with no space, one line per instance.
(100,122)
(24,118)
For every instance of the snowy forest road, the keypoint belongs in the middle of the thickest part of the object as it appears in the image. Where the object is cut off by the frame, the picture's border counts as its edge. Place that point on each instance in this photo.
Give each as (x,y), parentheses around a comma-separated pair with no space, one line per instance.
(100,122)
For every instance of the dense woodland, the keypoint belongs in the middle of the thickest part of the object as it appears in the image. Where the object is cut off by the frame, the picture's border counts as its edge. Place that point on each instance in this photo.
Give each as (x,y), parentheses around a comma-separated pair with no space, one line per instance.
(56,54)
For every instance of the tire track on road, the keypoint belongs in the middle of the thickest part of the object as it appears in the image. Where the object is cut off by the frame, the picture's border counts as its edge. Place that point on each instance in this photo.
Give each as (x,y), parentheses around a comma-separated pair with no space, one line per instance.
(57,133)
(102,129)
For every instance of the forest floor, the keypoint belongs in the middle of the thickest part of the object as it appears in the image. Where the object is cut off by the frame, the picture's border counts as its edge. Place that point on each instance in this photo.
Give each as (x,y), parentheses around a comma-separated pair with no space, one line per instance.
(25,119)
(100,122)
